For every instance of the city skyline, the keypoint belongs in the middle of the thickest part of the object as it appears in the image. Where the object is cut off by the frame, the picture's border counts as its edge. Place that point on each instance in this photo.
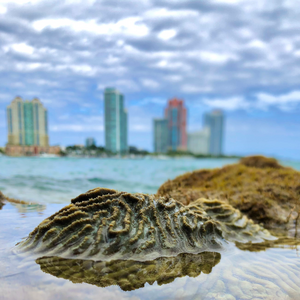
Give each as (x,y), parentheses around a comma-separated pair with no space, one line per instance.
(246,64)
(200,129)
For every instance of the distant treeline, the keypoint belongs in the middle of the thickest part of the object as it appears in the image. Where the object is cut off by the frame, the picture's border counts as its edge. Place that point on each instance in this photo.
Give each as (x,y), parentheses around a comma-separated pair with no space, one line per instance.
(187,153)
(100,150)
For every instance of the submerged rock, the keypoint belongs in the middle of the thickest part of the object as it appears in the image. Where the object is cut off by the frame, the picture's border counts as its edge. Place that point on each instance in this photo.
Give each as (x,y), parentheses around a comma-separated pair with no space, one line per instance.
(130,274)
(105,224)
(258,186)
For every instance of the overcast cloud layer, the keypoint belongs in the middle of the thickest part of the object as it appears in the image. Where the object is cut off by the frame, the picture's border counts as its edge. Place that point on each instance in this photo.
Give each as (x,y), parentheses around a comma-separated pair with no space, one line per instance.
(239,55)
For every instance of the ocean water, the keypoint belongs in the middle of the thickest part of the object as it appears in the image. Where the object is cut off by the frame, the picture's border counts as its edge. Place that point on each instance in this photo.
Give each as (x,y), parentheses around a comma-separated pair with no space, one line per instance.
(57,180)
(273,272)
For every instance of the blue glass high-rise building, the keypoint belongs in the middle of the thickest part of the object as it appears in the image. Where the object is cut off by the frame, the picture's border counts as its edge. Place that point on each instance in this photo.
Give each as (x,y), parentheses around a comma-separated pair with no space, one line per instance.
(160,130)
(115,121)
(215,122)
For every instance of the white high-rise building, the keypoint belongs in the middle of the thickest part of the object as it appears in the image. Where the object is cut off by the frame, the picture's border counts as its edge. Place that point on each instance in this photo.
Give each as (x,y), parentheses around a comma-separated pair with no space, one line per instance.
(215,122)
(198,141)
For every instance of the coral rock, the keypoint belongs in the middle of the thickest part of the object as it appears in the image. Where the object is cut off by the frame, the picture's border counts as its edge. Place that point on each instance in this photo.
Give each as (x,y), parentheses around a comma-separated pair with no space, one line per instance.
(105,224)
(259,187)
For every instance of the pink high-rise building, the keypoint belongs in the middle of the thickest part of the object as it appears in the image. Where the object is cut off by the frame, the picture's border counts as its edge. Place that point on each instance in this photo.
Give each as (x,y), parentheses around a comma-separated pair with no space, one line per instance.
(176,115)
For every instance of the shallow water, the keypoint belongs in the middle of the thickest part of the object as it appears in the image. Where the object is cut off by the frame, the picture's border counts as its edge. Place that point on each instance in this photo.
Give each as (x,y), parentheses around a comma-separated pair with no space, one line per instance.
(230,274)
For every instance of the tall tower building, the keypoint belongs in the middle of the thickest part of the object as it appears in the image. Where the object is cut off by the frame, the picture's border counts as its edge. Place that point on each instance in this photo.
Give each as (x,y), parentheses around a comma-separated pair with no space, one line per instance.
(198,141)
(27,123)
(115,121)
(215,122)
(175,113)
(160,127)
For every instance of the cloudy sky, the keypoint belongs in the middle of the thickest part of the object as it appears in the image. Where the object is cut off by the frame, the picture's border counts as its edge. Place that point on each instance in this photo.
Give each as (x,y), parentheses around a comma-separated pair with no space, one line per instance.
(242,56)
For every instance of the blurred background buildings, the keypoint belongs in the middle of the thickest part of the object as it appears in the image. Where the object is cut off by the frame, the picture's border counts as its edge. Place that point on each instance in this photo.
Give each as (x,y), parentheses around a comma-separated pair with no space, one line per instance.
(170,133)
(28,130)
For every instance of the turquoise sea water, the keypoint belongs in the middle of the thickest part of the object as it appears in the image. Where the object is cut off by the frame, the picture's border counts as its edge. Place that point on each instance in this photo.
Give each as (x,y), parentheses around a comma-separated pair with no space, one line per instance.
(57,180)
(273,273)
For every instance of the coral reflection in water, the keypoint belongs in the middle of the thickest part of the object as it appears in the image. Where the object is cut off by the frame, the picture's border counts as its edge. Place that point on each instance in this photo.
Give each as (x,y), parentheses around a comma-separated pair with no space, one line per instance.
(129,274)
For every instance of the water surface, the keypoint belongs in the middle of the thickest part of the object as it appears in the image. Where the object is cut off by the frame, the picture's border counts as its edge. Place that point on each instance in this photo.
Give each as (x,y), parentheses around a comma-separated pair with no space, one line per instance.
(273,273)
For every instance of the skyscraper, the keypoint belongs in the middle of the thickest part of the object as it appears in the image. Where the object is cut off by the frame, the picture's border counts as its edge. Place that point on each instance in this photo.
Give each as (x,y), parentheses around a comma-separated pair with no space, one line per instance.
(115,121)
(198,141)
(215,122)
(160,127)
(27,123)
(175,113)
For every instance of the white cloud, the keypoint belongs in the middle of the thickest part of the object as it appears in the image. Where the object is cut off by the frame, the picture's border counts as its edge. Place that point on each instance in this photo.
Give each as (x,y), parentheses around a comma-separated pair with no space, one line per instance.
(149,83)
(92,123)
(257,44)
(167,34)
(195,89)
(284,101)
(174,78)
(21,48)
(123,85)
(229,1)
(263,101)
(217,58)
(161,13)
(128,26)
(3,10)
(233,103)
(76,127)
(158,101)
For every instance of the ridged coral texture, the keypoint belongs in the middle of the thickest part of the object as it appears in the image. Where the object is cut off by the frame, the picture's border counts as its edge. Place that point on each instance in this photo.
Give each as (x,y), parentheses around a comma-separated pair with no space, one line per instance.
(105,224)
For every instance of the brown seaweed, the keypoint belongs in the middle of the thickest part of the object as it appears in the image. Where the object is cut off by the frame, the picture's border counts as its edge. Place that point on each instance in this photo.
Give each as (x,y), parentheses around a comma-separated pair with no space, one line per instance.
(130,274)
(2,200)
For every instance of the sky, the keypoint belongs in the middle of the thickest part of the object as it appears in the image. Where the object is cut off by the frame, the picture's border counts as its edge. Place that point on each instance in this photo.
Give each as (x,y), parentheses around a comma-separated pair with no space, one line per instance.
(241,56)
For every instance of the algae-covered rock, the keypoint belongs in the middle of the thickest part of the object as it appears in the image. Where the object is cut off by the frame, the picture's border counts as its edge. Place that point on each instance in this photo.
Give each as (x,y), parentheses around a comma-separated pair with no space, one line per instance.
(105,224)
(130,274)
(259,187)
